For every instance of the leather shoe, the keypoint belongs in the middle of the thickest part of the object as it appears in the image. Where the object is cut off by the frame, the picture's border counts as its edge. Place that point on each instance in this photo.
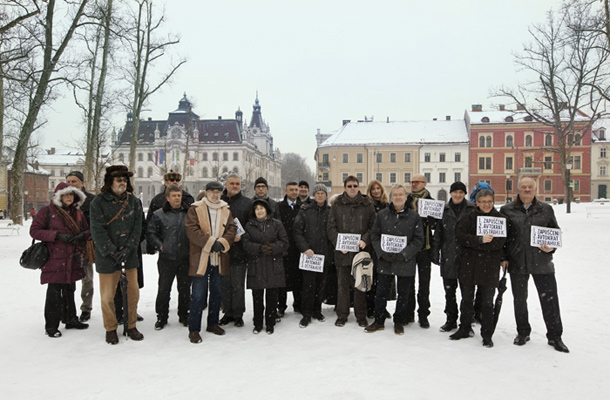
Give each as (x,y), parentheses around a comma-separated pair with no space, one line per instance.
(520,340)
(448,327)
(226,320)
(216,330)
(112,337)
(487,342)
(374,327)
(362,322)
(399,329)
(559,345)
(134,334)
(239,322)
(85,316)
(340,322)
(424,323)
(195,337)
(319,316)
(76,324)
(462,334)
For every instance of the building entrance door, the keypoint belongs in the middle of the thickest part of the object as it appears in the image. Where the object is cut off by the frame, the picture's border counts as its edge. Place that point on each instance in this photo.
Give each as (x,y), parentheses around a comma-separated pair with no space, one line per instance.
(602,192)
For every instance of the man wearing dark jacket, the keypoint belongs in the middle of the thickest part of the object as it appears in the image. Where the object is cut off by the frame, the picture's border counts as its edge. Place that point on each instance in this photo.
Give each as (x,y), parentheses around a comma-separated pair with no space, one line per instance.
(311,238)
(304,193)
(287,211)
(77,180)
(170,178)
(261,192)
(352,213)
(424,257)
(524,260)
(234,284)
(166,233)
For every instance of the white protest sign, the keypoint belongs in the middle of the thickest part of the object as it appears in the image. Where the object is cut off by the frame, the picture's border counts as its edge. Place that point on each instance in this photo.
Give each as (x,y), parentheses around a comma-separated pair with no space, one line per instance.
(313,263)
(348,242)
(393,244)
(491,226)
(430,208)
(549,236)
(240,229)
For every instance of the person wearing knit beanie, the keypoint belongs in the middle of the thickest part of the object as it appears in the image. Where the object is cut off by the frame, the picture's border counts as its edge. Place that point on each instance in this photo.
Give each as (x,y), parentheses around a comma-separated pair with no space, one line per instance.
(458,186)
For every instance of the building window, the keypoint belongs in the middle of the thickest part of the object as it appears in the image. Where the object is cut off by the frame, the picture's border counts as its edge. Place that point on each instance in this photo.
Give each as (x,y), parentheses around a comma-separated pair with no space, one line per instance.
(528,162)
(509,141)
(547,185)
(484,162)
(548,162)
(325,159)
(150,157)
(393,157)
(407,157)
(53,174)
(576,185)
(548,140)
(575,161)
(225,169)
(441,177)
(359,176)
(204,156)
(407,177)
(235,156)
(441,157)
(214,156)
(509,186)
(204,172)
(379,176)
(602,134)
(457,177)
(379,157)
(150,172)
(140,157)
(359,158)
(602,152)
(426,157)
(488,141)
(236,170)
(343,176)
(325,176)
(428,177)
(345,158)
(225,156)
(458,157)
(602,170)
(509,163)
(140,172)
(528,141)
(392,177)
(577,138)
(482,141)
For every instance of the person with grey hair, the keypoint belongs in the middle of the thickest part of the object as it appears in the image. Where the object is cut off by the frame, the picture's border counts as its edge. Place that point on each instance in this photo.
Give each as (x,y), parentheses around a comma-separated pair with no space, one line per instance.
(311,238)
(524,260)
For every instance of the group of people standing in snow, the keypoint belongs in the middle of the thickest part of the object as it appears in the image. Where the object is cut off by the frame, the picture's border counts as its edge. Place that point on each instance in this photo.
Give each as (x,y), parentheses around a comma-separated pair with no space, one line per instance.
(222,243)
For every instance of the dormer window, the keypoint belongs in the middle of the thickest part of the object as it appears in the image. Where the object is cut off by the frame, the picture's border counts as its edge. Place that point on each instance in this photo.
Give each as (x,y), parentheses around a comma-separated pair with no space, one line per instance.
(508,119)
(528,118)
(485,119)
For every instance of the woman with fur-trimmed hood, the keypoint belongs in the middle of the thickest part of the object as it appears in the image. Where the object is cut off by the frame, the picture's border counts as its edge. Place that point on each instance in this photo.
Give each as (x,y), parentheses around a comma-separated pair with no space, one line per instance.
(62,225)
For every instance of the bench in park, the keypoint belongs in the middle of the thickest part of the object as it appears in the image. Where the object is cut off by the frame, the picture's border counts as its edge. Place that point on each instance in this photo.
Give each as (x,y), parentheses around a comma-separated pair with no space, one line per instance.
(7,227)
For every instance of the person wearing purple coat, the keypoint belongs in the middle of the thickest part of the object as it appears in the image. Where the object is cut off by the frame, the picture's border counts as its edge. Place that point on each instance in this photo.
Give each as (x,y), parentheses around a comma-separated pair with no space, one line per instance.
(64,229)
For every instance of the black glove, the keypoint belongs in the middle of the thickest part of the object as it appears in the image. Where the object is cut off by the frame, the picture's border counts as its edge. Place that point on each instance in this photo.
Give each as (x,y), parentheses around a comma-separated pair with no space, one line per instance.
(119,256)
(399,257)
(266,249)
(387,257)
(217,246)
(64,237)
(79,238)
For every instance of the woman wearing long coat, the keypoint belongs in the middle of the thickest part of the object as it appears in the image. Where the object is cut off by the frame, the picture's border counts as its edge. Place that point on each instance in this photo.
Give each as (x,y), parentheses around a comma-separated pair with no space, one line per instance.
(63,227)
(265,243)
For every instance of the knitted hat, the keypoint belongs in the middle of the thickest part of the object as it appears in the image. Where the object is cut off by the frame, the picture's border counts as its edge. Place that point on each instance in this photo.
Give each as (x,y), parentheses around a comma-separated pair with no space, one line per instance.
(320,187)
(261,180)
(304,183)
(458,186)
(77,174)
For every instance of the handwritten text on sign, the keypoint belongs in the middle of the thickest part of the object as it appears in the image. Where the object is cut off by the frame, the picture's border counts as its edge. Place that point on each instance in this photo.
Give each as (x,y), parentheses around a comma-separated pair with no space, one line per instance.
(549,236)
(393,244)
(348,242)
(313,263)
(430,208)
(491,226)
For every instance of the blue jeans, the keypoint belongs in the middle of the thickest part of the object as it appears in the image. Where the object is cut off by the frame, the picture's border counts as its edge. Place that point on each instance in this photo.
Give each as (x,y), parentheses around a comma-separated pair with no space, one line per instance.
(199,291)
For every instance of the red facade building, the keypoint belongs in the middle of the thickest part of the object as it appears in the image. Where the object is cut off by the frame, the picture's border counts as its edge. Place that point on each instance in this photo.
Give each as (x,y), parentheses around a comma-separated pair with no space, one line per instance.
(506,145)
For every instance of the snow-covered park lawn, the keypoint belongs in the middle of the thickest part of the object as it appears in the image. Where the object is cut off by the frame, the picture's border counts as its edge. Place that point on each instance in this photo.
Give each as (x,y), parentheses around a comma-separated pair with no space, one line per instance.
(321,361)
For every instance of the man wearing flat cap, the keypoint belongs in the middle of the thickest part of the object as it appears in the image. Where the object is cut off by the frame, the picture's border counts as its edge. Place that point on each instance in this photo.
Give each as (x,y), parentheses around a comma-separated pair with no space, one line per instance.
(116,226)
(77,180)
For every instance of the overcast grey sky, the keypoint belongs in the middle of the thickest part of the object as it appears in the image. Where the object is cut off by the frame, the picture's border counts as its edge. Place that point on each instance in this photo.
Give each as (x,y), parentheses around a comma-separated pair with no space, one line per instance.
(316,63)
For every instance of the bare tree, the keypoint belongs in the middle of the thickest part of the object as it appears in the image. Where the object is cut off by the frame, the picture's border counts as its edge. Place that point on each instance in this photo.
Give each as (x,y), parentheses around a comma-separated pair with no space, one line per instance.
(295,168)
(566,62)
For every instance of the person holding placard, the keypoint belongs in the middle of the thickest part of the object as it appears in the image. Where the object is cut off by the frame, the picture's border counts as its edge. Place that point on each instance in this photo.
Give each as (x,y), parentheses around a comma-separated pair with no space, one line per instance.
(524,260)
(352,213)
(424,262)
(446,251)
(311,238)
(479,268)
(397,237)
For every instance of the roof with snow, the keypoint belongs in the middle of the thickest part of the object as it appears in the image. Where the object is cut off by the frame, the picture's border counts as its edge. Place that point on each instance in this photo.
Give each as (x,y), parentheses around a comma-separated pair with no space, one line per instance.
(62,157)
(399,132)
(514,116)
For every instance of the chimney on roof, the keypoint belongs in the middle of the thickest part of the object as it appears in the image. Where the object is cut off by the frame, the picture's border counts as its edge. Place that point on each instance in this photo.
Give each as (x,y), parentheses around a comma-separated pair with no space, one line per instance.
(433,119)
(477,107)
(150,118)
(388,120)
(318,131)
(52,151)
(448,118)
(520,107)
(219,117)
(346,121)
(502,107)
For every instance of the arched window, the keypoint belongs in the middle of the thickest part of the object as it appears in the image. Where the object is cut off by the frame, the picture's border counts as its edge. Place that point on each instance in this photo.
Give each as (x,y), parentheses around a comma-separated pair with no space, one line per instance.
(140,157)
(577,138)
(528,118)
(509,141)
(442,195)
(236,170)
(204,172)
(485,119)
(488,141)
(140,172)
(528,141)
(482,141)
(225,169)
(150,171)
(508,119)
(548,140)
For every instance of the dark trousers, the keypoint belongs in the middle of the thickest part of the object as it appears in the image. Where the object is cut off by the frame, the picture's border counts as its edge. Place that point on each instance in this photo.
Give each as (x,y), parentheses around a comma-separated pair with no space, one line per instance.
(168,270)
(234,291)
(549,302)
(451,307)
(344,283)
(423,293)
(270,301)
(486,294)
(383,292)
(199,293)
(59,305)
(313,290)
(294,284)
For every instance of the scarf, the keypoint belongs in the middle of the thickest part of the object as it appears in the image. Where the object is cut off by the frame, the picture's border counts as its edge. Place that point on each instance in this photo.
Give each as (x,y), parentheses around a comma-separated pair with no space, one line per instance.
(421,194)
(215,225)
(74,228)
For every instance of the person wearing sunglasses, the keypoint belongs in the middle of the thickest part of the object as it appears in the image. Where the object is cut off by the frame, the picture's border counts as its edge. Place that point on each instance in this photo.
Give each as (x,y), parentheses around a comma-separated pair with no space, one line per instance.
(352,212)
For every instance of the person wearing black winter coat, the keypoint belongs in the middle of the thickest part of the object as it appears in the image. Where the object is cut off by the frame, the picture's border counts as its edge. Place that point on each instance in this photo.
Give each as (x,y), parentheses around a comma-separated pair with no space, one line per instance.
(446,249)
(311,238)
(479,267)
(166,232)
(524,260)
(265,242)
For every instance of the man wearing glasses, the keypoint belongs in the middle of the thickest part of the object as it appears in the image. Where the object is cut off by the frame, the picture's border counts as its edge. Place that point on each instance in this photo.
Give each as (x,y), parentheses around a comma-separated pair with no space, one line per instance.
(424,257)
(170,178)
(261,190)
(351,213)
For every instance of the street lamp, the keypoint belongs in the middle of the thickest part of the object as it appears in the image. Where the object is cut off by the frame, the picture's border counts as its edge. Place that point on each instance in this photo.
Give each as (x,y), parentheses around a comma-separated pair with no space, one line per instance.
(25,204)
(507,189)
(569,200)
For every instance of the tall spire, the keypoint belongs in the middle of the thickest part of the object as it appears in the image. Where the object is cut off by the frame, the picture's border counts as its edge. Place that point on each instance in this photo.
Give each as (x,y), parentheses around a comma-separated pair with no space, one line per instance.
(257,118)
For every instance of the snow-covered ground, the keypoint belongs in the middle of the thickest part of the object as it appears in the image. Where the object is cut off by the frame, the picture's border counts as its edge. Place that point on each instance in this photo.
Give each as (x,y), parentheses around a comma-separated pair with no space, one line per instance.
(321,361)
